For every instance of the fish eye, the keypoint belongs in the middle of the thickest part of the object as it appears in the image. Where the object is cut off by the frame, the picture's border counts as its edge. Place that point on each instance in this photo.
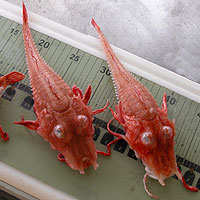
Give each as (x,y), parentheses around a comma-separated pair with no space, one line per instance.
(83,121)
(167,131)
(59,131)
(146,138)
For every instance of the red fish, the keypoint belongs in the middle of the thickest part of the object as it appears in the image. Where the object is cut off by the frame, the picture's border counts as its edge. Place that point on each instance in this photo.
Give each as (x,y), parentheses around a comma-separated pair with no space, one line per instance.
(6,80)
(148,131)
(63,117)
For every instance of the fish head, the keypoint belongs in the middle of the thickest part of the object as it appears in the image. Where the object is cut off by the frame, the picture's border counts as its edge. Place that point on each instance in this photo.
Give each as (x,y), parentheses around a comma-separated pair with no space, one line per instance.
(154,144)
(74,135)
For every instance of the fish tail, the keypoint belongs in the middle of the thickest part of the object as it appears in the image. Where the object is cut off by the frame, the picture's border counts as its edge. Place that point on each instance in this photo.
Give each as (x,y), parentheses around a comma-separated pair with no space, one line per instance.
(11,78)
(95,25)
(25,15)
(111,57)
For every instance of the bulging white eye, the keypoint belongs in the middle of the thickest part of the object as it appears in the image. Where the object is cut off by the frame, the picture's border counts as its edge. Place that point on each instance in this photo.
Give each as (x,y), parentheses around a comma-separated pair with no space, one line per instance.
(146,138)
(167,131)
(59,131)
(83,121)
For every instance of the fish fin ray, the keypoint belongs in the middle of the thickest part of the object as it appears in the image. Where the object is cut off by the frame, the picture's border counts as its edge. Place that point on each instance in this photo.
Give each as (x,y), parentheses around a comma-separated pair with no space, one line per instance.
(101,109)
(164,104)
(87,94)
(11,78)
(4,135)
(114,133)
(30,124)
(108,153)
(77,91)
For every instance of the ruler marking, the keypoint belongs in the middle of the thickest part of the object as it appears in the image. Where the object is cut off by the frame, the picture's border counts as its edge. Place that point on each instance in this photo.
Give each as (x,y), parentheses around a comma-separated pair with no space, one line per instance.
(2,26)
(182,128)
(3,59)
(152,89)
(149,85)
(173,104)
(143,81)
(6,42)
(12,53)
(94,77)
(157,93)
(87,72)
(5,64)
(97,72)
(49,50)
(67,70)
(96,88)
(182,117)
(64,61)
(75,68)
(186,130)
(68,49)
(195,132)
(55,53)
(79,76)
(96,98)
(58,58)
(194,157)
(104,91)
(69,64)
(181,107)
(6,46)
(4,34)
(197,154)
(46,57)
(155,90)
(45,50)
(79,68)
(190,142)
(14,59)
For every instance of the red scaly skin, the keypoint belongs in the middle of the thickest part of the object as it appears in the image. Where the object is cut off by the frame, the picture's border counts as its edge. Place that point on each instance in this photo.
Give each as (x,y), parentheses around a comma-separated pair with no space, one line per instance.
(6,80)
(63,117)
(148,130)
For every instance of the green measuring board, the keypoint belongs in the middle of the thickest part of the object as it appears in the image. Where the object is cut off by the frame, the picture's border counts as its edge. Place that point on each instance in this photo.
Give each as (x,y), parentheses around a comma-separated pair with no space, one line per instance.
(120,175)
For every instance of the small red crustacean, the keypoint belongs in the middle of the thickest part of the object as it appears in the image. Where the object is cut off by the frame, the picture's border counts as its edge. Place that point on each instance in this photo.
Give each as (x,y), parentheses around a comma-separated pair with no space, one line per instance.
(63,117)
(148,131)
(6,80)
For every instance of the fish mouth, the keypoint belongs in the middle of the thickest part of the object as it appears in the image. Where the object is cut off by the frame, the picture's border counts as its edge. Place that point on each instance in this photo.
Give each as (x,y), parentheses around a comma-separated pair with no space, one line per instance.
(151,174)
(161,177)
(81,163)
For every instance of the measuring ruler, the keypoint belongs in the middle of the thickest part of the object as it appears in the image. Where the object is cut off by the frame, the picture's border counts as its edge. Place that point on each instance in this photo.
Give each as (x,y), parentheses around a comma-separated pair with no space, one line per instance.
(78,59)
